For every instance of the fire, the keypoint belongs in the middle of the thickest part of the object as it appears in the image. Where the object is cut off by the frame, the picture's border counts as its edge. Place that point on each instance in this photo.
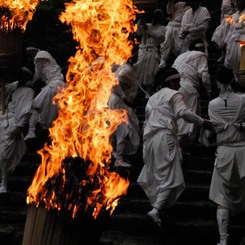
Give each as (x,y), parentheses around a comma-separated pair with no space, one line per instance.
(79,157)
(231,20)
(16,14)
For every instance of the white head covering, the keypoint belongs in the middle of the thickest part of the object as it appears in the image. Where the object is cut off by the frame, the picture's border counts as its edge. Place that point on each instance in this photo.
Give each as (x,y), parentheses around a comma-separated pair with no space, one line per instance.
(46,68)
(44,55)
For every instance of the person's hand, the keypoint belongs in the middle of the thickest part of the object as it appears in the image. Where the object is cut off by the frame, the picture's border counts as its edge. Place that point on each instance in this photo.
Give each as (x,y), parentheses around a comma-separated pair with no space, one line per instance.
(29,84)
(162,64)
(207,124)
(184,34)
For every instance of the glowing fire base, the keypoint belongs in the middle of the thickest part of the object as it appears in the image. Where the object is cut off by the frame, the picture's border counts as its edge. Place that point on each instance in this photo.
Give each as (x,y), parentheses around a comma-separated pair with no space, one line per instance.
(49,227)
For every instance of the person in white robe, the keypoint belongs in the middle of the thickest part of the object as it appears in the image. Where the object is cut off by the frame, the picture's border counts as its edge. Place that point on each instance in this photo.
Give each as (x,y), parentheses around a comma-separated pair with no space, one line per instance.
(193,69)
(126,139)
(218,37)
(235,34)
(19,101)
(194,24)
(227,189)
(161,177)
(172,42)
(44,110)
(152,34)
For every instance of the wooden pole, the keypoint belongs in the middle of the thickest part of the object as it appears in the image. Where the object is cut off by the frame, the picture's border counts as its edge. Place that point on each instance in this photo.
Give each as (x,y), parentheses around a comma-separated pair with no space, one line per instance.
(3,103)
(29,225)
(2,81)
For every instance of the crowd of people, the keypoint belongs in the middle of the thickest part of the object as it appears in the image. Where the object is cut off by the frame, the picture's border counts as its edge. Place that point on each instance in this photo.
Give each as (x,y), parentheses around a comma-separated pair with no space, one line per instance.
(172,113)
(172,117)
(23,106)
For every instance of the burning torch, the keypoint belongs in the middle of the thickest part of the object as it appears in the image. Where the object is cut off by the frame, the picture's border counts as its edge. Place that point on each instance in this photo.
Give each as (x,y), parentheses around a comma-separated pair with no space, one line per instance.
(14,16)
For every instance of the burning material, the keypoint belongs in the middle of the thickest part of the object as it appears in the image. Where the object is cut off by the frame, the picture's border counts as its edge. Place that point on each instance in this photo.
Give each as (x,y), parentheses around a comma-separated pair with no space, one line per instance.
(74,173)
(10,47)
(73,187)
(230,19)
(16,14)
(239,37)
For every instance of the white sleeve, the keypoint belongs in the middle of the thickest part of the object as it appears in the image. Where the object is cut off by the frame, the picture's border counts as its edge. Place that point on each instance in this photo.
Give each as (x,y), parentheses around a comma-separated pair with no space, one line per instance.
(38,71)
(204,72)
(181,111)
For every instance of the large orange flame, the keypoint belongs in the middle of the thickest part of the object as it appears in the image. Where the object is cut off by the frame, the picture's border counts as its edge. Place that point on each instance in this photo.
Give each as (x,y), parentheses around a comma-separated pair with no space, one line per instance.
(85,123)
(16,13)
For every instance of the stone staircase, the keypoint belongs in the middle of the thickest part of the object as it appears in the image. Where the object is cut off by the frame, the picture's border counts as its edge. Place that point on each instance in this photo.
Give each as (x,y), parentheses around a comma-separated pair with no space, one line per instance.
(191,221)
(13,205)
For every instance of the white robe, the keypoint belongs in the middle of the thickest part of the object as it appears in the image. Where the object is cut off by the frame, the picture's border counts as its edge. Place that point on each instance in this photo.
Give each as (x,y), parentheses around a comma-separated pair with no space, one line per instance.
(126,138)
(172,41)
(221,31)
(228,181)
(233,50)
(193,68)
(197,24)
(49,71)
(148,54)
(17,114)
(227,8)
(161,177)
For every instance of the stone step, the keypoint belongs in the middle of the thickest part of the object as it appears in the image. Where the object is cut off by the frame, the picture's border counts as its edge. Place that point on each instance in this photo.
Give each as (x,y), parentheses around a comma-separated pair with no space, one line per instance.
(188,226)
(184,209)
(11,234)
(179,230)
(12,215)
(12,200)
(19,183)
(198,176)
(202,163)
